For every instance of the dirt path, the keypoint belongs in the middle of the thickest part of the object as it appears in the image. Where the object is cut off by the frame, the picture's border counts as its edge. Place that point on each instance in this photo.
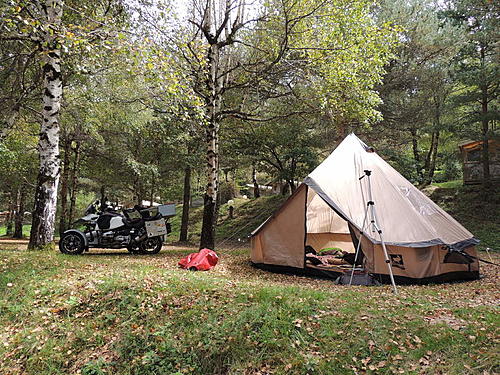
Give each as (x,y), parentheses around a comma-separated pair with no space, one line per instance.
(22,244)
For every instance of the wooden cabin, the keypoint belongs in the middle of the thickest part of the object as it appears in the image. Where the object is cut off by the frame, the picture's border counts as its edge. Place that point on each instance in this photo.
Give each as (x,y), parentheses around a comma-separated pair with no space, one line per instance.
(472,162)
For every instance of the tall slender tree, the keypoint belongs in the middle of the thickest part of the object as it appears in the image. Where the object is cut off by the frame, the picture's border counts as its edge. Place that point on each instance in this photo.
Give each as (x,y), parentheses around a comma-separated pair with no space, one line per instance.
(44,213)
(416,91)
(252,51)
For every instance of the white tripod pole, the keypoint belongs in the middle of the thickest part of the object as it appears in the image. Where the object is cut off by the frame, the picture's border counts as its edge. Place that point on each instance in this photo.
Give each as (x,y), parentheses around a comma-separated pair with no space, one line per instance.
(370,206)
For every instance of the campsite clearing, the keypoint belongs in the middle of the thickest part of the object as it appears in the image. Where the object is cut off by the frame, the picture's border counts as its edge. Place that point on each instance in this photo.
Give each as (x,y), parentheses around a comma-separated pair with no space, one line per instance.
(113,313)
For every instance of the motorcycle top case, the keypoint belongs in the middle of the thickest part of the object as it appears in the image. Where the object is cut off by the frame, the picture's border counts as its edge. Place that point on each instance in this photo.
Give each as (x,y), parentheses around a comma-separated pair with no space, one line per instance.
(156,228)
(166,210)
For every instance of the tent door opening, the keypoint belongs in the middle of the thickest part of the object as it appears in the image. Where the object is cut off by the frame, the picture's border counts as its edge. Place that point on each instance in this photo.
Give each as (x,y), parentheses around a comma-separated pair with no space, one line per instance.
(329,242)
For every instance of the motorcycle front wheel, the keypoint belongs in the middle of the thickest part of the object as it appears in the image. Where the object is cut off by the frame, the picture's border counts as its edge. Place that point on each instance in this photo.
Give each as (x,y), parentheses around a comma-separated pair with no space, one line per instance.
(151,245)
(72,243)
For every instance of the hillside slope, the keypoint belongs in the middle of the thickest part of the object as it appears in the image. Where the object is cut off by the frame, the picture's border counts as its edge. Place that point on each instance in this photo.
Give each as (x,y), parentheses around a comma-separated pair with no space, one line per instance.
(473,208)
(248,215)
(478,212)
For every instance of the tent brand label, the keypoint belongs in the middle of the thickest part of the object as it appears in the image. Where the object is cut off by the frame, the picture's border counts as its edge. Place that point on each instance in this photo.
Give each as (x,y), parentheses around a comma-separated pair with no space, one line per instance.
(397,261)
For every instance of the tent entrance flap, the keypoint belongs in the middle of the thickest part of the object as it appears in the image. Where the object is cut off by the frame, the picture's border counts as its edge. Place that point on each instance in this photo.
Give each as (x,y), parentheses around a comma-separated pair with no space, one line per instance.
(281,240)
(325,228)
(328,235)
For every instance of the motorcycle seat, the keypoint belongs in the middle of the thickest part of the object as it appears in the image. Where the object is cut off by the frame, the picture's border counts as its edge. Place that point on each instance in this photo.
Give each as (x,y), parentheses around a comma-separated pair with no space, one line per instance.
(152,218)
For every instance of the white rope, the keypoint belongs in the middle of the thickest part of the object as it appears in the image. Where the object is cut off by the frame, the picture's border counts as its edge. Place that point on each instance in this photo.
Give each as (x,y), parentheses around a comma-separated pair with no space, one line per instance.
(239,230)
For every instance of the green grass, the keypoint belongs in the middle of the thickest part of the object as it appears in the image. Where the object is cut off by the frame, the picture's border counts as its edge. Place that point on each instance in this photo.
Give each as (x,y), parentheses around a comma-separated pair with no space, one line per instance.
(26,230)
(120,314)
(449,184)
(248,215)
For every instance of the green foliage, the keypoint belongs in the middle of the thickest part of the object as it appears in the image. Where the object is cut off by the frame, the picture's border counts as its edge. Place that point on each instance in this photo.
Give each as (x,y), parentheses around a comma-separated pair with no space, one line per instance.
(228,190)
(418,89)
(299,77)
(26,230)
(477,64)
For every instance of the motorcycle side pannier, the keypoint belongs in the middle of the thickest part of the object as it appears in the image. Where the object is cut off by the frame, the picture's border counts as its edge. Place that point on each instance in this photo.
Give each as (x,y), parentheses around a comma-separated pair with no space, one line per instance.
(156,228)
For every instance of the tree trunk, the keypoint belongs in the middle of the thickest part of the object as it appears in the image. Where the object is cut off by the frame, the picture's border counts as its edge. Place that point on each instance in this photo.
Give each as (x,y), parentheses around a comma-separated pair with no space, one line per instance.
(485,124)
(140,197)
(212,140)
(185,205)
(10,216)
(152,193)
(284,189)
(210,197)
(291,183)
(256,189)
(486,148)
(207,239)
(64,188)
(432,165)
(103,198)
(44,213)
(19,218)
(74,183)
(416,153)
(430,161)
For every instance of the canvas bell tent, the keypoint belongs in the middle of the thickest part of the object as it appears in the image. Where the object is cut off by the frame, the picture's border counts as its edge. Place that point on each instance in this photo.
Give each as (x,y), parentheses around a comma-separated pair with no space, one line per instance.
(328,210)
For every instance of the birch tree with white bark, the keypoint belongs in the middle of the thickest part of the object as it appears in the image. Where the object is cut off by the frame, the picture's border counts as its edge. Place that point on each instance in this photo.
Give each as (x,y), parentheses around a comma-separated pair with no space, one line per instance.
(260,51)
(44,213)
(38,24)
(39,27)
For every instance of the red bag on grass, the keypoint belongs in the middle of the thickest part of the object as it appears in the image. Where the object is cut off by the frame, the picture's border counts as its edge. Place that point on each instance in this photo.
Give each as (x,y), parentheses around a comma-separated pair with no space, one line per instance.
(203,260)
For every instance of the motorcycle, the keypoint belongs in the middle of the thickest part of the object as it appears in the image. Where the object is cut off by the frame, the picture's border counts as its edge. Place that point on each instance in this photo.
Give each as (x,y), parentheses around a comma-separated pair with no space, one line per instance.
(140,230)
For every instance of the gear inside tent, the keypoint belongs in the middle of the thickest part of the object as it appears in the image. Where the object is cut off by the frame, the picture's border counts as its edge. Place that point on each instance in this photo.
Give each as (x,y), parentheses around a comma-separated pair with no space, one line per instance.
(320,226)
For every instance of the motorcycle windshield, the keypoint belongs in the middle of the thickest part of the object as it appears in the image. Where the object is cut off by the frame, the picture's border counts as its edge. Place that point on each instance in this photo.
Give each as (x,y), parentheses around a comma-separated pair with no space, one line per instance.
(90,209)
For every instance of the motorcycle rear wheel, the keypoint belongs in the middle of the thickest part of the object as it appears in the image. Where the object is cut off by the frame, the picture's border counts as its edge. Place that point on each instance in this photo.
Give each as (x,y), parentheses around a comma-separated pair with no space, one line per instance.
(151,245)
(72,243)
(135,248)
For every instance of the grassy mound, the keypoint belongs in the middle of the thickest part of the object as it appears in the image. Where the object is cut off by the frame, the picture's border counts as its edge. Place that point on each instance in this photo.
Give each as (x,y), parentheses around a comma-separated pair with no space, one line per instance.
(469,205)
